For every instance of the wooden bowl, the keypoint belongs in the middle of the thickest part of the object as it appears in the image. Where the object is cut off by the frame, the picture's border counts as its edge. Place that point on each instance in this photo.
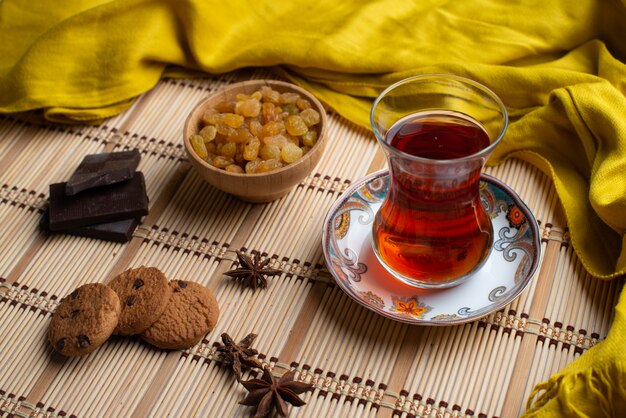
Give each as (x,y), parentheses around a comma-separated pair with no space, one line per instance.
(263,187)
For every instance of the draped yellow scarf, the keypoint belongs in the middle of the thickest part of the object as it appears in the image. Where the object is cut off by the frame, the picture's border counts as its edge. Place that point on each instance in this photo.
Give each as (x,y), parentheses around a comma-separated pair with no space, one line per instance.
(559,66)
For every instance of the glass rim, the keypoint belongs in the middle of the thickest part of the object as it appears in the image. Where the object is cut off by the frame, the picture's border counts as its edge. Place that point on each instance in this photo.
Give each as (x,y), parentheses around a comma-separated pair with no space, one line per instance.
(485,151)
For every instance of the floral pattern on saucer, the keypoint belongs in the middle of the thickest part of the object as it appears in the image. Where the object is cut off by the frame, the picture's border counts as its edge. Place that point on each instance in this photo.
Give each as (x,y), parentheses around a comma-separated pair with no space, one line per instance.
(347,245)
(410,307)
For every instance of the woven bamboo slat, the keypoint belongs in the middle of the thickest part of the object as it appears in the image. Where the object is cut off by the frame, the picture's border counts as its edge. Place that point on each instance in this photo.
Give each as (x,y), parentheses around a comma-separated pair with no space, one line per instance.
(360,364)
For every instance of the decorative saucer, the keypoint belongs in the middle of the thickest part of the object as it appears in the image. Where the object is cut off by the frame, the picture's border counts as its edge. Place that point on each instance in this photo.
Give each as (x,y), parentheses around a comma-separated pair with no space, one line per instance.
(347,245)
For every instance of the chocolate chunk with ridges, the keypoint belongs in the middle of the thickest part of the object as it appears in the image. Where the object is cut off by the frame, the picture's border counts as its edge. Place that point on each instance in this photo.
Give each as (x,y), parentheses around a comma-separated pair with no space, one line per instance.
(130,301)
(119,201)
(119,231)
(82,341)
(98,170)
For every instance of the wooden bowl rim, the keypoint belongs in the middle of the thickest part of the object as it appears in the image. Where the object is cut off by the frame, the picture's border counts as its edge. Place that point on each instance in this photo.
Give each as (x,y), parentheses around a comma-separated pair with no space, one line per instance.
(271,83)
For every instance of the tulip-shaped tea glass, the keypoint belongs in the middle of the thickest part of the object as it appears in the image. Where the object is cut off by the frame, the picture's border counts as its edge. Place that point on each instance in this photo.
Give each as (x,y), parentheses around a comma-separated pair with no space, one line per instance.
(437,132)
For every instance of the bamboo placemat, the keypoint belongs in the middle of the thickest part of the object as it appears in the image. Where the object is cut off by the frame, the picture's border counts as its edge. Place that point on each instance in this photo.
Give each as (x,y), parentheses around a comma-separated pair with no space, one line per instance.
(361,364)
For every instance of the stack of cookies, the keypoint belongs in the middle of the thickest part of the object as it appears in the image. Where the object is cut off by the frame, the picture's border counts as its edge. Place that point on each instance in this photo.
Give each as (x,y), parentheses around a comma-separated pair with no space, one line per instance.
(104,198)
(174,314)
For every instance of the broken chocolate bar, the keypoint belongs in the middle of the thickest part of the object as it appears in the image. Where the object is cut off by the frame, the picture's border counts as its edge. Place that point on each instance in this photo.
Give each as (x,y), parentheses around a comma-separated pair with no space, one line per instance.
(98,170)
(118,201)
(119,231)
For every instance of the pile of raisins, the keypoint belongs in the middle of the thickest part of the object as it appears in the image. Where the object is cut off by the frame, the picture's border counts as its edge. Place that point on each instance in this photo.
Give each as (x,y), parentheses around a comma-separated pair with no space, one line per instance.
(257,133)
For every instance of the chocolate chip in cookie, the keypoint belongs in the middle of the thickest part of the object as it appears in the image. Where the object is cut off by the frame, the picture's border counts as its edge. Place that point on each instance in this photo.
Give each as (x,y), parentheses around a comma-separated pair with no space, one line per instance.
(84,320)
(144,293)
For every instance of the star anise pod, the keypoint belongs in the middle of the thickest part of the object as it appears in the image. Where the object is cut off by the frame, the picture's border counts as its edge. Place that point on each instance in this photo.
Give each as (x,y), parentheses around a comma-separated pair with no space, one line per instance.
(252,272)
(239,356)
(267,393)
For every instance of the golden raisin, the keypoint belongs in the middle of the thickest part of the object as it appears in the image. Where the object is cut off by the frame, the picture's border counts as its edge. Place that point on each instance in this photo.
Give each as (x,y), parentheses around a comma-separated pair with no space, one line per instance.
(255,127)
(211,117)
(251,151)
(234,168)
(272,128)
(197,143)
(226,106)
(268,165)
(295,125)
(228,150)
(270,152)
(290,153)
(309,138)
(240,136)
(224,129)
(288,97)
(279,140)
(310,117)
(303,104)
(291,109)
(251,166)
(270,112)
(208,133)
(233,120)
(248,108)
(222,162)
(270,95)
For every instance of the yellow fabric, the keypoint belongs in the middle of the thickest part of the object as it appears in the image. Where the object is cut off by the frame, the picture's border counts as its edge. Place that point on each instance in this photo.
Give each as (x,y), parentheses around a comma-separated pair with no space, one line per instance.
(592,386)
(558,66)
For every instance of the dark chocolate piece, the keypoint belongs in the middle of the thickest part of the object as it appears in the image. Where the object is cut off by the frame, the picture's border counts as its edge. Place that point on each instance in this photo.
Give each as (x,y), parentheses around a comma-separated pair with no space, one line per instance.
(98,170)
(118,201)
(120,231)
